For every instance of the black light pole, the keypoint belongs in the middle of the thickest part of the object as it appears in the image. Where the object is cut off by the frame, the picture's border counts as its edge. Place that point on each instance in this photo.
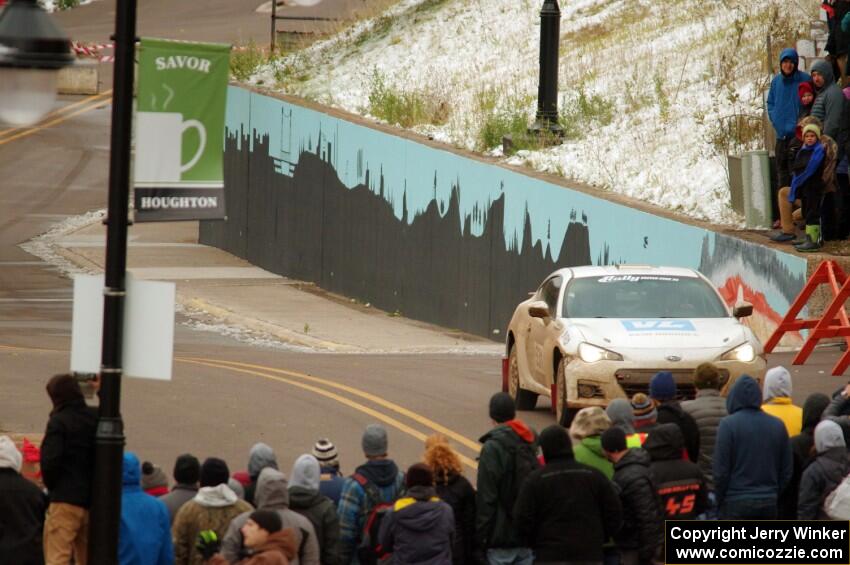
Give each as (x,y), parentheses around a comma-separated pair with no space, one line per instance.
(105,517)
(546,119)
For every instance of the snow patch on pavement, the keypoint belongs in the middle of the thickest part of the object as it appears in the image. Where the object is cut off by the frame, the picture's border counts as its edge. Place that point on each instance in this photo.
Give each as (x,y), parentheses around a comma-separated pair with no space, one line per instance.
(45,245)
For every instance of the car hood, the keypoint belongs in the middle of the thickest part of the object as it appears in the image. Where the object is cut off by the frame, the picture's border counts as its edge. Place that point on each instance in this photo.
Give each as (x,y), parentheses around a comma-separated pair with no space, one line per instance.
(660,333)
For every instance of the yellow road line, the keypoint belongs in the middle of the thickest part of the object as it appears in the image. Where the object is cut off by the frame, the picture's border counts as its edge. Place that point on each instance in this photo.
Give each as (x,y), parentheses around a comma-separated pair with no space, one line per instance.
(252,369)
(332,395)
(59,120)
(473,445)
(62,110)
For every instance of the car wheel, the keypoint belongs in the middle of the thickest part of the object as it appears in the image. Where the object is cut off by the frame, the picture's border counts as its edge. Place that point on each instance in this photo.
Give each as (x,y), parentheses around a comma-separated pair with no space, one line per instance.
(563,414)
(524,399)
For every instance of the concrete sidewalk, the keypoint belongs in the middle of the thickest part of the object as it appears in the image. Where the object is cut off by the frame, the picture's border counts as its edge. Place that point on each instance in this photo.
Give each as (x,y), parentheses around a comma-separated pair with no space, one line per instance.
(219,292)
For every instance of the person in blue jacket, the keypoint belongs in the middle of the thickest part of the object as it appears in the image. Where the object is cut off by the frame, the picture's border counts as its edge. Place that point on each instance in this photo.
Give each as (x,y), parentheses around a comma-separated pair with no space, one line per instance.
(145,534)
(752,457)
(783,105)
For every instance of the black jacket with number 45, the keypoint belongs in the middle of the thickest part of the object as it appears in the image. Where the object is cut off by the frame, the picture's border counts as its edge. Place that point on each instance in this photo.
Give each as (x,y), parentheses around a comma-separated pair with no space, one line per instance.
(680,483)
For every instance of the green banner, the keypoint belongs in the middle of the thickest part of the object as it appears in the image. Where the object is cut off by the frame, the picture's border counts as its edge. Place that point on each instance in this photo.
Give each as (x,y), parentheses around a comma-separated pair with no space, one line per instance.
(180,130)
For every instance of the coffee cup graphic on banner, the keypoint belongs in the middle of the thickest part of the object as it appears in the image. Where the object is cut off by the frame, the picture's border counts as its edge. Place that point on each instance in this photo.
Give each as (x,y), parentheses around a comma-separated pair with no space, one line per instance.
(159,143)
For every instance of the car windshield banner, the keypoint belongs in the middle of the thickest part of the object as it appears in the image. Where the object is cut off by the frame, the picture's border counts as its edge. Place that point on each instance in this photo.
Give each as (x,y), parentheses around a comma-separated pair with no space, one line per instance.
(180,130)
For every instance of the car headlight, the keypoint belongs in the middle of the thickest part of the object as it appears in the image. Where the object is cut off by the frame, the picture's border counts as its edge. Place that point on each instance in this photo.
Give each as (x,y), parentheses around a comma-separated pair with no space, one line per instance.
(744,353)
(591,354)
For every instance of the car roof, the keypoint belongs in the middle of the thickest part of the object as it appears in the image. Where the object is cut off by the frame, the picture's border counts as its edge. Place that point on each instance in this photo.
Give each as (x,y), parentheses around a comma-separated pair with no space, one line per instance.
(592,271)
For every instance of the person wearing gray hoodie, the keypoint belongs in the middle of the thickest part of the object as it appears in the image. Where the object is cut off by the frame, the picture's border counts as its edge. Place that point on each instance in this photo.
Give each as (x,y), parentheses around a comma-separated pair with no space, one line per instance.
(829,100)
(777,400)
(825,472)
(305,498)
(272,494)
(260,457)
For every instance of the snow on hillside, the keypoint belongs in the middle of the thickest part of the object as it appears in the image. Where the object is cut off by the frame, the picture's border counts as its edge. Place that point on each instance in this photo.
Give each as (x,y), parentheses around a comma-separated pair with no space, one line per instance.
(651,85)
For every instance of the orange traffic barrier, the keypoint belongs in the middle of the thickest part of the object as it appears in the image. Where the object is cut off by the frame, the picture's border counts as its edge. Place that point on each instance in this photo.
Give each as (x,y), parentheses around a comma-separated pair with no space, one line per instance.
(833,322)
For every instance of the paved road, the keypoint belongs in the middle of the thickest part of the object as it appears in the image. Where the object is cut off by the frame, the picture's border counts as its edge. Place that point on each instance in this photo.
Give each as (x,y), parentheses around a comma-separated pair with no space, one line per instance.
(225,394)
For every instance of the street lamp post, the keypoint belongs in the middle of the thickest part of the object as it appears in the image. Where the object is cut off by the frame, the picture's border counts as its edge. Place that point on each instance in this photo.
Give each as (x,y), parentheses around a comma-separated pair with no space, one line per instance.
(32,49)
(105,517)
(546,119)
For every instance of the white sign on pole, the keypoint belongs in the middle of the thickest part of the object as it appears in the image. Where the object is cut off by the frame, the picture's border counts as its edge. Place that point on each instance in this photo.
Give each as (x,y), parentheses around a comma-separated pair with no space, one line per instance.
(148,344)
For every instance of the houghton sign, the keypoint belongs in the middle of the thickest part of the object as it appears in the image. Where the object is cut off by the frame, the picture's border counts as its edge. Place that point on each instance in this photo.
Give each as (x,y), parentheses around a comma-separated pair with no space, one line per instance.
(180,130)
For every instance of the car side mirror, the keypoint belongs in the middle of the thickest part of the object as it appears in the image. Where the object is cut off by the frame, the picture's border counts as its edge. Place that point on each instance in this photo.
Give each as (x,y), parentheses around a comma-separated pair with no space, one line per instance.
(742,310)
(538,309)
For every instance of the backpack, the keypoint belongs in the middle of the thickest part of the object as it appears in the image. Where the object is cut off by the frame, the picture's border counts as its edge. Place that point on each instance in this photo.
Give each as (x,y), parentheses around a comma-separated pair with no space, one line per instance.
(525,462)
(370,551)
(837,503)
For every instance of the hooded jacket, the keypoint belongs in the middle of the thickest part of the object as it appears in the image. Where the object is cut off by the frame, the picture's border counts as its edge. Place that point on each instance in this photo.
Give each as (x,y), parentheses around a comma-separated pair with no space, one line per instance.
(825,473)
(279,549)
(419,530)
(354,505)
(67,451)
(212,509)
(22,508)
(145,534)
(566,510)
(643,517)
(456,491)
(838,41)
(305,499)
(777,400)
(829,101)
(681,485)
(752,457)
(273,494)
(496,488)
(260,457)
(783,103)
(707,409)
(802,443)
(802,446)
(589,452)
(671,412)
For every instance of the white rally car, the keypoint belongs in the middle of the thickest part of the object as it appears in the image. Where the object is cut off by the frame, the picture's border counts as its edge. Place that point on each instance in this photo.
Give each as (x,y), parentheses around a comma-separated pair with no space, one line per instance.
(592,334)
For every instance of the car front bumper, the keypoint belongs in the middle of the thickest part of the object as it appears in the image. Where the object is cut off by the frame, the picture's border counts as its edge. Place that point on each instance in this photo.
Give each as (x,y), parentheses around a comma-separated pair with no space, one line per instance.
(596,384)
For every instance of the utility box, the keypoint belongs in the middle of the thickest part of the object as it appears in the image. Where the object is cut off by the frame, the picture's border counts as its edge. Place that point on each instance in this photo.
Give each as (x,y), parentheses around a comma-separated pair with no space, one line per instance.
(755,174)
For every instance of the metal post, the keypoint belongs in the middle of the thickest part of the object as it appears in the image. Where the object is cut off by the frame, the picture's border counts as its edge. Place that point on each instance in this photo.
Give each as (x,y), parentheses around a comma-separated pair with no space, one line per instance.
(547,90)
(274,27)
(105,515)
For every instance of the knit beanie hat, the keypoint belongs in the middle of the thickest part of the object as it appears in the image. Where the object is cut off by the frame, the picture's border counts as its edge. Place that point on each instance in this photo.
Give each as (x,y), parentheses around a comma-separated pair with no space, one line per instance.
(805,88)
(621,414)
(325,452)
(502,407)
(614,440)
(10,457)
(269,520)
(153,477)
(187,469)
(306,473)
(812,128)
(662,386)
(214,472)
(419,475)
(644,409)
(589,422)
(555,443)
(374,440)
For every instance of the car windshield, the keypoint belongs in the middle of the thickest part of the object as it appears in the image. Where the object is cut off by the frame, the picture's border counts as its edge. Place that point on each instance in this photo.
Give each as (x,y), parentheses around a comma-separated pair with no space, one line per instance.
(641,296)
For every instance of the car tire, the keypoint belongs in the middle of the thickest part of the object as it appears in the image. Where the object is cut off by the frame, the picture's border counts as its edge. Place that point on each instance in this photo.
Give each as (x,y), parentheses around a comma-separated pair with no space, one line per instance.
(563,414)
(523,399)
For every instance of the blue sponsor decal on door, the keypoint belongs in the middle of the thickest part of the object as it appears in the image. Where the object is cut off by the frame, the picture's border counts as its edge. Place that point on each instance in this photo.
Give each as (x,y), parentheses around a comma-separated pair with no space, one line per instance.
(658,325)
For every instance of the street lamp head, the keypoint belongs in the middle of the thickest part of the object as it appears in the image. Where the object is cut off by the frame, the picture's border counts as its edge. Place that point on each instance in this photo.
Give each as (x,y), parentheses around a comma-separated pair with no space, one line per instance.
(32,50)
